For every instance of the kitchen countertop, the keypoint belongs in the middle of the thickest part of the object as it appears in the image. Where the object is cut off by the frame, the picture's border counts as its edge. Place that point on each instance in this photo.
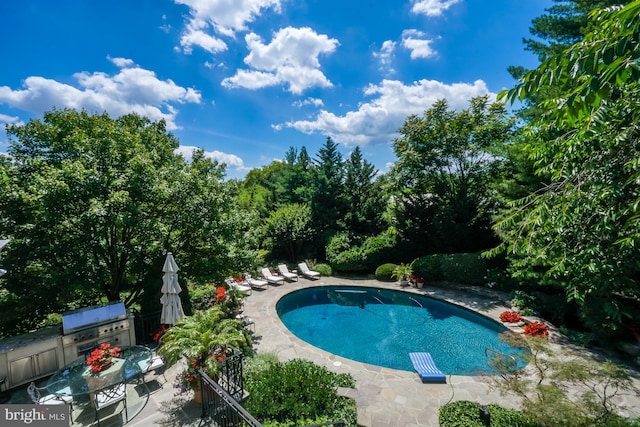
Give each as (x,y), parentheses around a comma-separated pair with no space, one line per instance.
(11,343)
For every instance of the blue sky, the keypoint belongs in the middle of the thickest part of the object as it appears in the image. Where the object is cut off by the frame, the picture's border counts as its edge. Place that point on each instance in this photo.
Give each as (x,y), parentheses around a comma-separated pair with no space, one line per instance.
(247,79)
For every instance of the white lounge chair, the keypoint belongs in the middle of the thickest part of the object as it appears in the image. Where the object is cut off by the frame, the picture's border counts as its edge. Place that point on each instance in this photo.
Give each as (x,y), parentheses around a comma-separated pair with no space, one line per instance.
(242,287)
(255,283)
(309,274)
(274,280)
(284,272)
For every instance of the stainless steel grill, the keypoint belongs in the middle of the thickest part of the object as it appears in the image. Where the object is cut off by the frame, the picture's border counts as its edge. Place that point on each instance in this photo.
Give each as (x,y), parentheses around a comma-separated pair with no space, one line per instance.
(85,329)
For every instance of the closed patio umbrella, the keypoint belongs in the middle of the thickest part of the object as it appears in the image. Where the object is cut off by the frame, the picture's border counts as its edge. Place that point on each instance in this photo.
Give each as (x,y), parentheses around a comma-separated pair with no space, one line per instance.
(171,304)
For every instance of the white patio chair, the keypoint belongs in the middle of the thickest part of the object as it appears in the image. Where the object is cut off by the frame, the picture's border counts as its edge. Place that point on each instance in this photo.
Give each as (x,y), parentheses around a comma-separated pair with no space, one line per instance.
(274,280)
(309,274)
(110,396)
(36,395)
(284,272)
(242,287)
(255,283)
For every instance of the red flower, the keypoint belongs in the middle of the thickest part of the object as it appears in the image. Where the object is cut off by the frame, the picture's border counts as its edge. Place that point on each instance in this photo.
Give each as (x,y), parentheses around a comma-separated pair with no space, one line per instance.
(510,316)
(100,356)
(536,329)
(221,294)
(156,335)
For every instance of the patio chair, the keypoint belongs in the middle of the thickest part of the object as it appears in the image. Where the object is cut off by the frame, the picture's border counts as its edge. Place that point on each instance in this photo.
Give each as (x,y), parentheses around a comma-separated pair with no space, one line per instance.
(274,280)
(255,283)
(110,396)
(284,272)
(242,287)
(155,364)
(309,274)
(36,395)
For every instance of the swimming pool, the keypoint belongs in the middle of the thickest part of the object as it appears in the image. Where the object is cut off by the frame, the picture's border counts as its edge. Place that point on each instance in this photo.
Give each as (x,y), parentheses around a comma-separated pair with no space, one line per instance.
(381,326)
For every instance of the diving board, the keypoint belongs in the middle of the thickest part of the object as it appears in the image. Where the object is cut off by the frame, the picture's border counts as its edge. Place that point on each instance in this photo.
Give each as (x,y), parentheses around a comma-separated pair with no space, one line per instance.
(425,366)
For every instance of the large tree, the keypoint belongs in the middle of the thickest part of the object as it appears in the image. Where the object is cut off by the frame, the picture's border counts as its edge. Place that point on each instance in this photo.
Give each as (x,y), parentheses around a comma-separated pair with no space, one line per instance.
(582,230)
(364,196)
(446,160)
(92,203)
(327,202)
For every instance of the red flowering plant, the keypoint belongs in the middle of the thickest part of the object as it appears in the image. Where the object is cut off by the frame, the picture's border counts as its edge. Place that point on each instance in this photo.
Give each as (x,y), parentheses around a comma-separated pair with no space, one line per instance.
(221,294)
(536,329)
(101,357)
(510,316)
(158,333)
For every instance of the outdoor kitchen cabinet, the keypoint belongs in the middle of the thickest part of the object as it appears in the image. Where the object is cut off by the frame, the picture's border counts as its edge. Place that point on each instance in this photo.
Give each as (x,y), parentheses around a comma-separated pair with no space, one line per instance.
(34,366)
(30,357)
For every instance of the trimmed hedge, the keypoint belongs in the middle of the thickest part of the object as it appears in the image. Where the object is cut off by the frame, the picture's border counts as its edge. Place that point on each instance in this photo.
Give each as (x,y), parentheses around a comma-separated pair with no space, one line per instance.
(348,253)
(295,390)
(464,413)
(384,272)
(470,269)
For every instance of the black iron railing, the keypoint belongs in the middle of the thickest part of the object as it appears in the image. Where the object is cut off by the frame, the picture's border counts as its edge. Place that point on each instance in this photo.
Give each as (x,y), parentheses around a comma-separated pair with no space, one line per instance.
(223,409)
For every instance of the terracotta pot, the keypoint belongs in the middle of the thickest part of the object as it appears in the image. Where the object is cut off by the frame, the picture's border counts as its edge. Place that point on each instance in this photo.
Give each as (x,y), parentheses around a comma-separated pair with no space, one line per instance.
(197,392)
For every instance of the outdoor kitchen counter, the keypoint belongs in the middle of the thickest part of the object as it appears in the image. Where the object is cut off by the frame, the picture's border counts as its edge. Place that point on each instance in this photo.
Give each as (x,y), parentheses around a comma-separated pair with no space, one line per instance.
(11,343)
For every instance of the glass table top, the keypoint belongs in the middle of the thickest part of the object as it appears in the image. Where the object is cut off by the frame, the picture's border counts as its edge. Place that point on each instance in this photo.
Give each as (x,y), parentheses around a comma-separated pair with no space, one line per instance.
(77,379)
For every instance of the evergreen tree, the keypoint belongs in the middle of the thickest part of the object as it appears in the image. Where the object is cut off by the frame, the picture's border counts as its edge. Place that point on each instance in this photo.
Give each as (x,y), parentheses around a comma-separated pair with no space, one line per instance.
(363,196)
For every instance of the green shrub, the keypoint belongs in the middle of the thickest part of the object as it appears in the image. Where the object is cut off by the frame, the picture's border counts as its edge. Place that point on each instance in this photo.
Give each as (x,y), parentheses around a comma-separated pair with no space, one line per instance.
(323,269)
(203,297)
(525,303)
(467,414)
(348,253)
(295,390)
(470,269)
(460,414)
(506,417)
(384,272)
(428,267)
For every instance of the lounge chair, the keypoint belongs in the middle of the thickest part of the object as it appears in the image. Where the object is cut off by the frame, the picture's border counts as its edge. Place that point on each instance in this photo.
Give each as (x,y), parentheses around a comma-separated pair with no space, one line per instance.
(242,287)
(274,280)
(255,283)
(425,366)
(309,274)
(284,272)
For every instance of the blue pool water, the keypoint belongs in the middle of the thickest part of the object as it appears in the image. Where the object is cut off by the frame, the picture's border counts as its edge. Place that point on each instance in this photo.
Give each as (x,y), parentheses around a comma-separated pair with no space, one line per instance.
(381,326)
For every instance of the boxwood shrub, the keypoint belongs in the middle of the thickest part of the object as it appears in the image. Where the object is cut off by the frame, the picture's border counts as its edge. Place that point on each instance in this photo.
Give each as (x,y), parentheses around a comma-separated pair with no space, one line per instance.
(469,269)
(384,272)
(297,390)
(464,413)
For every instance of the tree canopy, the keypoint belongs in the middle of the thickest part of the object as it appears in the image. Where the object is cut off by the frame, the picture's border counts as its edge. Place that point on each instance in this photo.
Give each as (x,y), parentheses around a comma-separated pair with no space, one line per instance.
(93,203)
(582,229)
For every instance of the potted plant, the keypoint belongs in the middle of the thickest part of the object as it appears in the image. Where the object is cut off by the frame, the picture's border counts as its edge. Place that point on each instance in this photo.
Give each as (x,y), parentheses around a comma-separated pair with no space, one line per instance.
(203,340)
(401,273)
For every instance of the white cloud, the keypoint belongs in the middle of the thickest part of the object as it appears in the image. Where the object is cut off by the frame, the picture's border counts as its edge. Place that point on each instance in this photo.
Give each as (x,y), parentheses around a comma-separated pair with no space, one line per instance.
(10,119)
(432,7)
(231,160)
(291,58)
(195,35)
(378,121)
(385,57)
(132,89)
(316,102)
(420,46)
(226,17)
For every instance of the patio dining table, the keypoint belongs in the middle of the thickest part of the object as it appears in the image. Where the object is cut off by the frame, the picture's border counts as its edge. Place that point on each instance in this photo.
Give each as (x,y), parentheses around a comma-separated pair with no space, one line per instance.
(76,378)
